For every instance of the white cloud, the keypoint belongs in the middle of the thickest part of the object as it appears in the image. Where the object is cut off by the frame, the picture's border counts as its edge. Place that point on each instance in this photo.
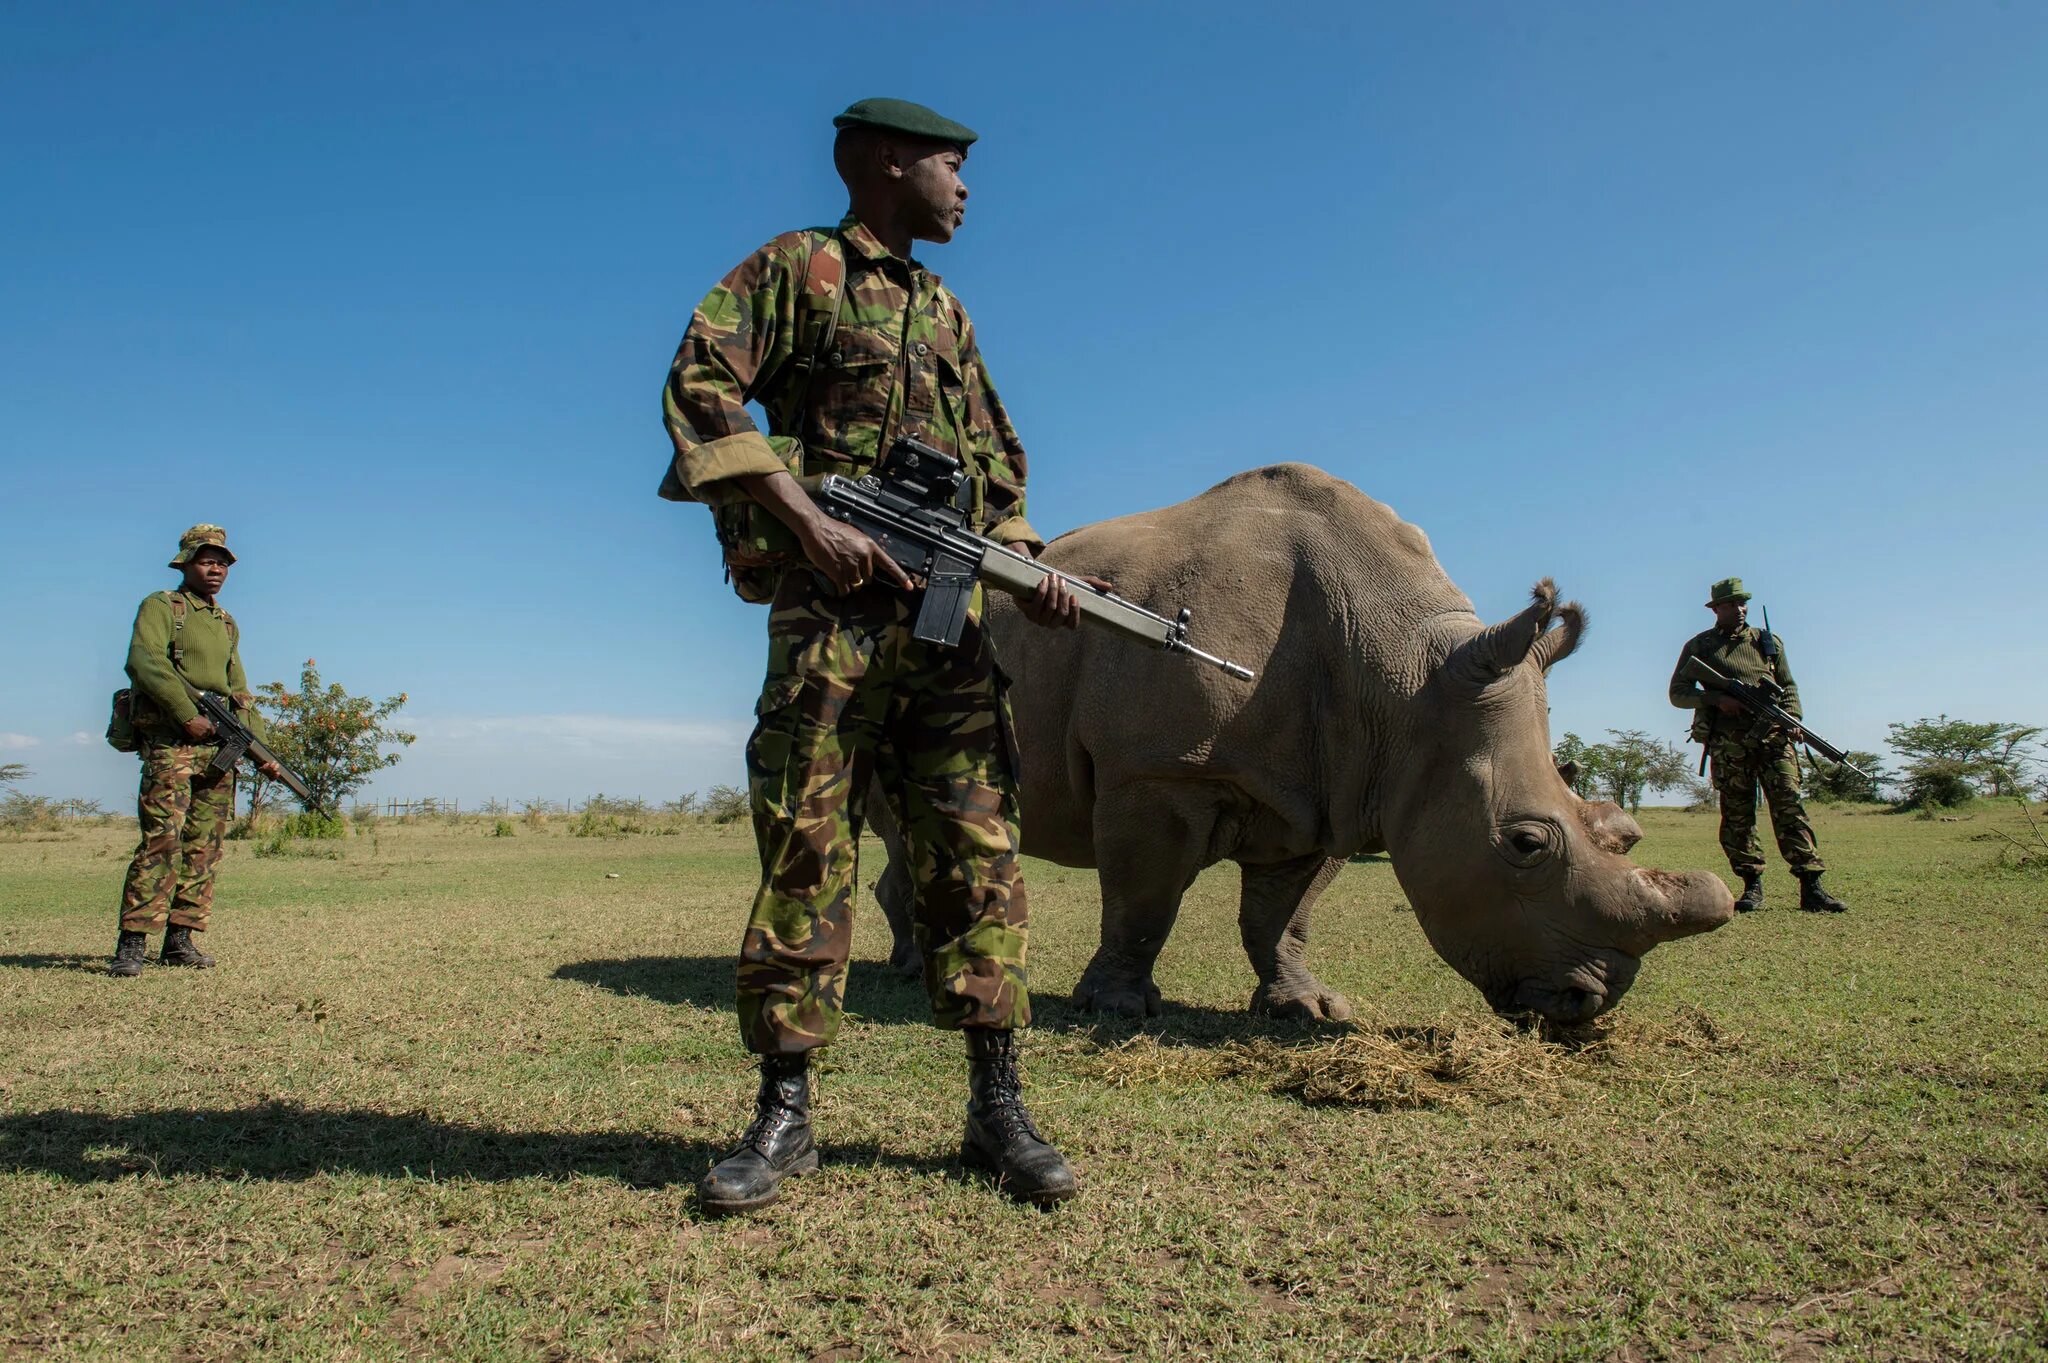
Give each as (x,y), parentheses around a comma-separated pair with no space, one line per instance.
(81,739)
(16,742)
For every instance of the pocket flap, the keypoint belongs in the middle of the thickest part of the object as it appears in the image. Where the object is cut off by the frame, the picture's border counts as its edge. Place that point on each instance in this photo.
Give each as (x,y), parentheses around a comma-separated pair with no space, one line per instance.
(778,694)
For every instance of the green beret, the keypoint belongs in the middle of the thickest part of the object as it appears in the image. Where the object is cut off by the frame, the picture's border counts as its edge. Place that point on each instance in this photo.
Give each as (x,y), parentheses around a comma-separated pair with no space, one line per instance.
(1727,589)
(901,116)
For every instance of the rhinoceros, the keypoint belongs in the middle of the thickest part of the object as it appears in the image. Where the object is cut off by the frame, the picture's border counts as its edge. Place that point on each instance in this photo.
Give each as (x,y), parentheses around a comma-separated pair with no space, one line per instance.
(1386,717)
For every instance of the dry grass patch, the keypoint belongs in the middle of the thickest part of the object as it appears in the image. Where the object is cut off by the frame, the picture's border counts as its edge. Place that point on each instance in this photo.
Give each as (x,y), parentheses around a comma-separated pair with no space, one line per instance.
(1452,1062)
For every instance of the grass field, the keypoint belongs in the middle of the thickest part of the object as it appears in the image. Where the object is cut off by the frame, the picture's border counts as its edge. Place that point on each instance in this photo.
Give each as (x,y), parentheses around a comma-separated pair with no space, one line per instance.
(448,1093)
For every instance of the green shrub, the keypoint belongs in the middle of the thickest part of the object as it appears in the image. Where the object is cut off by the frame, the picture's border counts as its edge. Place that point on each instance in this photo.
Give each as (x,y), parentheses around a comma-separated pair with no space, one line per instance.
(307,824)
(501,829)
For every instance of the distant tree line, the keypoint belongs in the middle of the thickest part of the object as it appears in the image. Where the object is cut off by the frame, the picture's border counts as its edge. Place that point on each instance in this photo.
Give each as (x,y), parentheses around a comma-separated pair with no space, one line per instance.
(1943,762)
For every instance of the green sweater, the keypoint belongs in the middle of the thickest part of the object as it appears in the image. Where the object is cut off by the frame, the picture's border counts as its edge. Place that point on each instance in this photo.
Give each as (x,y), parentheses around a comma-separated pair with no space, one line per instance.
(1736,655)
(209,657)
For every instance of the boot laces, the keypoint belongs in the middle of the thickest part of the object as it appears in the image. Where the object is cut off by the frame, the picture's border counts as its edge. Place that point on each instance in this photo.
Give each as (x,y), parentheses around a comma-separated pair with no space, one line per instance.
(771,1114)
(1006,1110)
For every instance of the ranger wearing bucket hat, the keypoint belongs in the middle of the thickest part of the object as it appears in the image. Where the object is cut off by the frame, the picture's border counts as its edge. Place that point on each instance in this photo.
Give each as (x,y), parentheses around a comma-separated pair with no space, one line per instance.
(184,806)
(846,342)
(1744,757)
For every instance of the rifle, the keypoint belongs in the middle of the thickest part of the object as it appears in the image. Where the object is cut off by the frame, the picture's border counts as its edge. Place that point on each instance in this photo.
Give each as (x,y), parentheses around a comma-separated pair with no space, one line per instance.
(915,505)
(1760,701)
(236,742)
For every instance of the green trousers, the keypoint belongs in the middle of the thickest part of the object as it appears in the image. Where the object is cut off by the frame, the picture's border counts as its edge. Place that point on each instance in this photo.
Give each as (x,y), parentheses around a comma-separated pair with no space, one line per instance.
(850,696)
(1740,769)
(184,808)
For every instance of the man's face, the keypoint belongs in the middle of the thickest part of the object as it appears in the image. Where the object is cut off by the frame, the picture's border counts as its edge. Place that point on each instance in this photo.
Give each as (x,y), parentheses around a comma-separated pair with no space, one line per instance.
(935,200)
(1730,615)
(206,571)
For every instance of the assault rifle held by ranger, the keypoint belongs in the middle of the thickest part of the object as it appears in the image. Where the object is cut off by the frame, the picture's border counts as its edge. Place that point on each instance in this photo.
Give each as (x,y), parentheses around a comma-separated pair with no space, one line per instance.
(237,742)
(1761,700)
(915,505)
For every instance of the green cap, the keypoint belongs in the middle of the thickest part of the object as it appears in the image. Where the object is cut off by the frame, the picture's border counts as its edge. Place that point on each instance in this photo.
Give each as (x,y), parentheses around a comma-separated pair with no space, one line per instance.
(201,537)
(901,116)
(1727,589)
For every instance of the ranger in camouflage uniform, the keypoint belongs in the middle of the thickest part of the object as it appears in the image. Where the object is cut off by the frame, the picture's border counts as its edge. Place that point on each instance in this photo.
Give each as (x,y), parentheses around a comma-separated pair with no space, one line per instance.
(1746,755)
(184,806)
(846,343)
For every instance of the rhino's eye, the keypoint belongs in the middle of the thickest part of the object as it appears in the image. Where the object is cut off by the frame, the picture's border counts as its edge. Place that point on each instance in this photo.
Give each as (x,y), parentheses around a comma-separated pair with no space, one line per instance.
(1527,844)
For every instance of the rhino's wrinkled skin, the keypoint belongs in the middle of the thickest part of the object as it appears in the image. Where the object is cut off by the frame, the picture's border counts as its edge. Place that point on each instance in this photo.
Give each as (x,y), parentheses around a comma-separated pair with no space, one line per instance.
(1386,717)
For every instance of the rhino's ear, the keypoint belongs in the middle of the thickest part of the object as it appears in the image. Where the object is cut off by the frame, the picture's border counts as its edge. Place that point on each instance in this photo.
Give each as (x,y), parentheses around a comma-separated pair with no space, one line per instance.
(1497,650)
(1559,643)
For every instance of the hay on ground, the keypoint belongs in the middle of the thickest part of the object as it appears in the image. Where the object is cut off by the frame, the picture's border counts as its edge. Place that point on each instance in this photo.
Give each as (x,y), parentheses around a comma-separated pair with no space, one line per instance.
(1449,1063)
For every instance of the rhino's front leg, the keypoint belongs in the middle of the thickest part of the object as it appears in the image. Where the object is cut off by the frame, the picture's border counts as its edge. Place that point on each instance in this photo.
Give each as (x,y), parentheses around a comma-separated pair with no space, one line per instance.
(895,891)
(1273,917)
(1150,841)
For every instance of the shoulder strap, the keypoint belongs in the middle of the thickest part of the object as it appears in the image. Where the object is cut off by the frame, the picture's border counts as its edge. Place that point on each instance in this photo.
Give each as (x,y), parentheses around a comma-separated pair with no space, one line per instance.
(812,283)
(176,601)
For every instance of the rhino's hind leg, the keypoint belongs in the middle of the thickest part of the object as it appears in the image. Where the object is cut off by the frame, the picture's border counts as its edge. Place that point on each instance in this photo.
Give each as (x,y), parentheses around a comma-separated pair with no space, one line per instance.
(1273,918)
(894,891)
(1151,839)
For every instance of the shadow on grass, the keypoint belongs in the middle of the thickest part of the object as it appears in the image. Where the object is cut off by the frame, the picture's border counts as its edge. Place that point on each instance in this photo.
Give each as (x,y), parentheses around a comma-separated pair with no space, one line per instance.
(286,1142)
(875,993)
(95,965)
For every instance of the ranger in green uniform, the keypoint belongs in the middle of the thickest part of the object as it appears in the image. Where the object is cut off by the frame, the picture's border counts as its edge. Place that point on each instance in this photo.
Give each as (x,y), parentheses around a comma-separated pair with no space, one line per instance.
(184,806)
(846,342)
(1746,756)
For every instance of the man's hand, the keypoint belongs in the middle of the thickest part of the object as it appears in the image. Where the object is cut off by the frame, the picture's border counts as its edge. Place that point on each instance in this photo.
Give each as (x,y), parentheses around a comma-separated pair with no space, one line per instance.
(1728,705)
(1053,604)
(848,559)
(199,728)
(271,770)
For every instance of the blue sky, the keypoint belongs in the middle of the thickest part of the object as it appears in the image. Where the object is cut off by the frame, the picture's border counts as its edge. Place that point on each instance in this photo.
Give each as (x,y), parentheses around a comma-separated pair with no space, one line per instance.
(1636,296)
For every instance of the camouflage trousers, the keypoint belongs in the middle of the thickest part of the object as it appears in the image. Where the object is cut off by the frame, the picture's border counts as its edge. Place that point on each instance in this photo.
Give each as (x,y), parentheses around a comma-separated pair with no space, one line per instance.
(1739,769)
(184,808)
(851,696)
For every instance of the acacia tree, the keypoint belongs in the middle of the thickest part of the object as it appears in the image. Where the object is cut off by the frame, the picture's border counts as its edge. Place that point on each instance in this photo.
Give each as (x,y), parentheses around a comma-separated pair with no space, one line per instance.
(1633,762)
(2011,763)
(335,741)
(1829,782)
(1623,768)
(1948,760)
(1575,763)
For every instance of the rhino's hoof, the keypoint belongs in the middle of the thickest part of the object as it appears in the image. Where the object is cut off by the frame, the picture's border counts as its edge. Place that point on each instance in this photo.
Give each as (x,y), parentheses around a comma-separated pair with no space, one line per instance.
(1316,1004)
(906,962)
(1124,1000)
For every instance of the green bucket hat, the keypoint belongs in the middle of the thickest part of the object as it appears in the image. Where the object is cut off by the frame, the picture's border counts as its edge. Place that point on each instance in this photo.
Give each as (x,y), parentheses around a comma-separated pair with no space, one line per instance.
(1727,589)
(201,537)
(901,116)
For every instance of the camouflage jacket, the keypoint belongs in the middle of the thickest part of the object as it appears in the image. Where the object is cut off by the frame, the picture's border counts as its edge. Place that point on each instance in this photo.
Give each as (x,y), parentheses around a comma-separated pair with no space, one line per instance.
(902,360)
(1736,655)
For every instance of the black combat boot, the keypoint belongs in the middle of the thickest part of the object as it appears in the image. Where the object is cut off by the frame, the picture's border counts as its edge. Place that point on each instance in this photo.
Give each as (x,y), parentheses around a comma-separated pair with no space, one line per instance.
(1752,892)
(129,954)
(1000,1138)
(1814,899)
(777,1144)
(178,949)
